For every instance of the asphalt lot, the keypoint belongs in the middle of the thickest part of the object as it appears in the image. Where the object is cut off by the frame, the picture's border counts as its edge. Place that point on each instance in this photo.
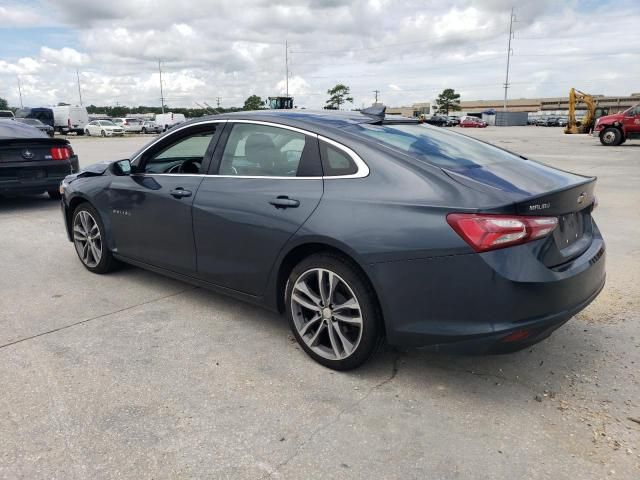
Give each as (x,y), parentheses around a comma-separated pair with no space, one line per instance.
(133,375)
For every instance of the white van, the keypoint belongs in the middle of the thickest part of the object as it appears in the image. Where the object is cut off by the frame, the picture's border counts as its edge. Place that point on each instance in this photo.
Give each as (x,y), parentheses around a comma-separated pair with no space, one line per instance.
(168,120)
(68,118)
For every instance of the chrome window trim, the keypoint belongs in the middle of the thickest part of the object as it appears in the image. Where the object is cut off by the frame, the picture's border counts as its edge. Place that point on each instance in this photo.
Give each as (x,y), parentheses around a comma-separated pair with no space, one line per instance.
(362,172)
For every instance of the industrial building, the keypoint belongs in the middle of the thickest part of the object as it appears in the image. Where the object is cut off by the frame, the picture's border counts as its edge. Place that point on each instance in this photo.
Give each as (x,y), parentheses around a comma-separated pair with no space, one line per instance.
(555,105)
(414,110)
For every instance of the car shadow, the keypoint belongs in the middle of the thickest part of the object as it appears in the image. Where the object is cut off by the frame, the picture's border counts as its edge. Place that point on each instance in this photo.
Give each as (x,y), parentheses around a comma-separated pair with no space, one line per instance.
(27,202)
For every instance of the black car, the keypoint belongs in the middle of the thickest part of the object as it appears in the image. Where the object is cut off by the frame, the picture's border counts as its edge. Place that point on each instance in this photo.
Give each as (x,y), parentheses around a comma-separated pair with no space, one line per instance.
(32,162)
(47,129)
(437,120)
(359,227)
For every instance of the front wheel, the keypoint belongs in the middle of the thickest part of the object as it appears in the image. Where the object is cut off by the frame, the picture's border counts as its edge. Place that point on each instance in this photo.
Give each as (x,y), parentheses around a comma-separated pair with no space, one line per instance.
(89,240)
(611,137)
(144,130)
(103,133)
(87,133)
(333,312)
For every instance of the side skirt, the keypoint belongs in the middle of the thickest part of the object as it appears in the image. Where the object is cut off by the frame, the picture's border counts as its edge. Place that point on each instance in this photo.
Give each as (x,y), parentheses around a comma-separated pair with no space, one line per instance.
(254,300)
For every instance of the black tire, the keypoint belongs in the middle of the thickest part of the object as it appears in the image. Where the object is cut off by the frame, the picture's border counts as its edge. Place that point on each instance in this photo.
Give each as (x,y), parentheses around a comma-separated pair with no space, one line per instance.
(87,133)
(611,137)
(144,130)
(102,133)
(107,263)
(54,194)
(371,335)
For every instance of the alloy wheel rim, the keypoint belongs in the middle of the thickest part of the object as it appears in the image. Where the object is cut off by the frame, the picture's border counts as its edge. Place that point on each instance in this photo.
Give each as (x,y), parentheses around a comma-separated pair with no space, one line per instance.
(326,314)
(87,239)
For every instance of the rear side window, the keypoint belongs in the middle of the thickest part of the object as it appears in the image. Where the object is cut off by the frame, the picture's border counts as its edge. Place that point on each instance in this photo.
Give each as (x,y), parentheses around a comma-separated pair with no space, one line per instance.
(336,162)
(435,145)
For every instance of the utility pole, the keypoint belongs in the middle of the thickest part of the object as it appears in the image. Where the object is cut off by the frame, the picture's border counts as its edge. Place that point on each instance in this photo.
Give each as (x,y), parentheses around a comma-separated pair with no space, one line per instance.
(79,91)
(376,92)
(512,18)
(218,101)
(286,64)
(20,92)
(161,92)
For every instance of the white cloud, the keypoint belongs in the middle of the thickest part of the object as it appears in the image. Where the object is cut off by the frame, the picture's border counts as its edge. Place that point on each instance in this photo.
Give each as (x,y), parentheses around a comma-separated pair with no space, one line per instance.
(65,56)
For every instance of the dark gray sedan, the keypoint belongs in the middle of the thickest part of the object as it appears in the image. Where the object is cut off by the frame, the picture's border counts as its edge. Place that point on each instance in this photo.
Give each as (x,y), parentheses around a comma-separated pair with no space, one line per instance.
(359,227)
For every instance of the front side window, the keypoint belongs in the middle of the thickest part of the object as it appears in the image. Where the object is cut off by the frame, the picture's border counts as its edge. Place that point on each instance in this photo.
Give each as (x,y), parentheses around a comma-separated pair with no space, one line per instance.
(185,155)
(260,150)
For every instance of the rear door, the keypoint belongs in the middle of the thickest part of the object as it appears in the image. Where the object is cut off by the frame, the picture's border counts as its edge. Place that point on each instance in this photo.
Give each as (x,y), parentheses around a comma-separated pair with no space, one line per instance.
(266,180)
(150,210)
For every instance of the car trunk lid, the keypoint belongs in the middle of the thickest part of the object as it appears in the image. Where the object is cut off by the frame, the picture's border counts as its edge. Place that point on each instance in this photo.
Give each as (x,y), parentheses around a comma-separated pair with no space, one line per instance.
(537,190)
(28,150)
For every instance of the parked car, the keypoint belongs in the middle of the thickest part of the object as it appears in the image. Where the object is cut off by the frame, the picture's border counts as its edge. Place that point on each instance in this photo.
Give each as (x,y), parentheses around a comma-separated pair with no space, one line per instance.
(129,125)
(437,120)
(48,129)
(453,121)
(168,120)
(562,121)
(31,162)
(6,114)
(104,128)
(45,115)
(552,122)
(472,122)
(617,128)
(149,126)
(541,121)
(69,118)
(479,249)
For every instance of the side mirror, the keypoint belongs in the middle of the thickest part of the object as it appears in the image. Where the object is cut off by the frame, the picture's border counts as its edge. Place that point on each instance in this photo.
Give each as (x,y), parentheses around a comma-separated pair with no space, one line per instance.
(122,167)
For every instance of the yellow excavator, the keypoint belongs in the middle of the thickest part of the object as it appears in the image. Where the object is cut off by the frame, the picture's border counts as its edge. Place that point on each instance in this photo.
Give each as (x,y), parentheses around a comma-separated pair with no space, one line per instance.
(588,121)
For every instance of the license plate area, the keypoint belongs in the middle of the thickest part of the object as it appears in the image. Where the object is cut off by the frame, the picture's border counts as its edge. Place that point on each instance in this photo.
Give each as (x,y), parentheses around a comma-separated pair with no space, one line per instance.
(570,229)
(30,174)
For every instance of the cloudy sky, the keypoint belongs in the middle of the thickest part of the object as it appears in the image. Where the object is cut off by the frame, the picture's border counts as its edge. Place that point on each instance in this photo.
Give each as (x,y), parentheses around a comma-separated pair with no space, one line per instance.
(408,50)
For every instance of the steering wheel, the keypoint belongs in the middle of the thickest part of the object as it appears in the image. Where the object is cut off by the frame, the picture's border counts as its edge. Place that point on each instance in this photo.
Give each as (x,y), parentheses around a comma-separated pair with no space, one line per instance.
(188,166)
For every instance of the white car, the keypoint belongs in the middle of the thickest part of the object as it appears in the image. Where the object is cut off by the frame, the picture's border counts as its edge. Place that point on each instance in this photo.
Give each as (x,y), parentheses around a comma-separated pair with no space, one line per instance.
(129,125)
(104,128)
(149,126)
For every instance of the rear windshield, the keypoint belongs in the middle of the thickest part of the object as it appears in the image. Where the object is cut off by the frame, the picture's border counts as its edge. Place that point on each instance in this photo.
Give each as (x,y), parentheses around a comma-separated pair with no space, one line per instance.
(435,145)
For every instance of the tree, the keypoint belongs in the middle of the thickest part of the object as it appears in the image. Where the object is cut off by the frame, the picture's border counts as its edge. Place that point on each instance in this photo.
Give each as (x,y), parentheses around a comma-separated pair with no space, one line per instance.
(338,96)
(254,102)
(447,101)
(3,104)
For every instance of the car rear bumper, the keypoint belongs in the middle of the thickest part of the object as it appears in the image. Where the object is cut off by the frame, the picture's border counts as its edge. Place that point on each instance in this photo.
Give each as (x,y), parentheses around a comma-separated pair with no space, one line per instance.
(35,177)
(474,302)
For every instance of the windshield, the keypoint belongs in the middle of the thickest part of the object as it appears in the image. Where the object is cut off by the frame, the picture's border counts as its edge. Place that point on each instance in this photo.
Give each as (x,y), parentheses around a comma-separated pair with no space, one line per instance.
(107,123)
(436,146)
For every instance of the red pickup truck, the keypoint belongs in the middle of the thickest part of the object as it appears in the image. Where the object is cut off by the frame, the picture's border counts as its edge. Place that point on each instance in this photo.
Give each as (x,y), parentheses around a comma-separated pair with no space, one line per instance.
(618,128)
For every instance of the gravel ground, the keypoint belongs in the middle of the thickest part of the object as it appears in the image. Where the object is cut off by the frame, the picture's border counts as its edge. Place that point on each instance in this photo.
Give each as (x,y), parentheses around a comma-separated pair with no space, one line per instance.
(133,375)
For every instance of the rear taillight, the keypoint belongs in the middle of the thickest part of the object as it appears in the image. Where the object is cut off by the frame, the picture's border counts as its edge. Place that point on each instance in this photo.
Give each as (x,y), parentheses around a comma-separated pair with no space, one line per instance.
(61,153)
(485,232)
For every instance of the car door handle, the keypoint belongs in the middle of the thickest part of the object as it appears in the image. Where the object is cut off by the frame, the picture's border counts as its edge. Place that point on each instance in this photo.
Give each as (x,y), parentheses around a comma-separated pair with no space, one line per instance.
(180,192)
(283,201)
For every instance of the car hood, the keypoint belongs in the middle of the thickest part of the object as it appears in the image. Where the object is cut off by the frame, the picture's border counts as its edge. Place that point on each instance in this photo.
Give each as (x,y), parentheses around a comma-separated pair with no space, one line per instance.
(94,170)
(611,118)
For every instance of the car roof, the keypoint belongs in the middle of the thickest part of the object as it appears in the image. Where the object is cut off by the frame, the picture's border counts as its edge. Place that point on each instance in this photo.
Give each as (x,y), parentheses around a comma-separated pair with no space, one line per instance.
(313,120)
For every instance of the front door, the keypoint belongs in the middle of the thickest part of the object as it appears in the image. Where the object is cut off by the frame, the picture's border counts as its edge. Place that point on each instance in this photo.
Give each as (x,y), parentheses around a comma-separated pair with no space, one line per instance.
(266,182)
(632,121)
(150,210)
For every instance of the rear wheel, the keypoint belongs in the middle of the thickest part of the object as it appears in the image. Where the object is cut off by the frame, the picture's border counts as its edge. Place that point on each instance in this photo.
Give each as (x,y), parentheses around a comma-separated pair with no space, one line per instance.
(611,137)
(333,312)
(144,130)
(89,239)
(87,132)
